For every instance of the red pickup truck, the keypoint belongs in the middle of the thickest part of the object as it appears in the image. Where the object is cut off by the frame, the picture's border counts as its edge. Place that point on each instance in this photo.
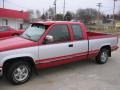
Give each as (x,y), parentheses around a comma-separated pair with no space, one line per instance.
(7,31)
(48,44)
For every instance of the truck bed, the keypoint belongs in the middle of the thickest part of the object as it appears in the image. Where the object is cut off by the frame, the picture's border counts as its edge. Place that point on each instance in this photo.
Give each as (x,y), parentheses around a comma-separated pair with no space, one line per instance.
(98,40)
(95,35)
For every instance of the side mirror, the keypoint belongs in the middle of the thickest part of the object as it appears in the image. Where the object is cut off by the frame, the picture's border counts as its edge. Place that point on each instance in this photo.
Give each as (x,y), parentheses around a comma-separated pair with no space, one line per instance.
(49,39)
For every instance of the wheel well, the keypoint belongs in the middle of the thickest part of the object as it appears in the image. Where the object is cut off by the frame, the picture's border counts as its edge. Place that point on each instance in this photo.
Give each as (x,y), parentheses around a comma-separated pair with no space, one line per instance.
(108,48)
(15,34)
(9,62)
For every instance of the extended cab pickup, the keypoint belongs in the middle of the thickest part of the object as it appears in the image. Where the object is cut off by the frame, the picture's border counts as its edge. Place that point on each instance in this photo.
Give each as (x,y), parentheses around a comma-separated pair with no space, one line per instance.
(48,44)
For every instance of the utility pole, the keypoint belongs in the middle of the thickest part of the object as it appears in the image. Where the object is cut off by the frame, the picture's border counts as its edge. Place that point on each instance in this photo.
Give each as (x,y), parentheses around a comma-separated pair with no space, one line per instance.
(55,8)
(98,16)
(3,3)
(64,9)
(114,13)
(3,8)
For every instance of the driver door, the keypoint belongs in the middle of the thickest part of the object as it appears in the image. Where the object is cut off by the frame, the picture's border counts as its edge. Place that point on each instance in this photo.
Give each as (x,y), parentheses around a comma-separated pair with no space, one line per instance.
(57,48)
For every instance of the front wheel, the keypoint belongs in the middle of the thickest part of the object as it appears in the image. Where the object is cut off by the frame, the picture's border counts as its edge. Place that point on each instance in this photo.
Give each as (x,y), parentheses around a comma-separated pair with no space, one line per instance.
(102,57)
(19,73)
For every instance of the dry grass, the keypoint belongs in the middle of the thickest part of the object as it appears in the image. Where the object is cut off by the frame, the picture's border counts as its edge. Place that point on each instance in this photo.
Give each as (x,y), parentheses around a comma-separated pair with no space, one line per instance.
(104,29)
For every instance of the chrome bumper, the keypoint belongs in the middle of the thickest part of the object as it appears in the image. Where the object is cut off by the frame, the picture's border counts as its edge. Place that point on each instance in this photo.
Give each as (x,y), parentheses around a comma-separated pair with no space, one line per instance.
(1,72)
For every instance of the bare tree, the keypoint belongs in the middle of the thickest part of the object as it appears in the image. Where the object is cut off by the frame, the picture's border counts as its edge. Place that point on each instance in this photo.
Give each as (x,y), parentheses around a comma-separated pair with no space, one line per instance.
(38,14)
(31,14)
(51,13)
(86,14)
(69,16)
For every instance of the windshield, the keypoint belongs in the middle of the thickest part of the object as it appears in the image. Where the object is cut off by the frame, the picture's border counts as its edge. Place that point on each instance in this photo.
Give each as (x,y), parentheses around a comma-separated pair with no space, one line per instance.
(34,32)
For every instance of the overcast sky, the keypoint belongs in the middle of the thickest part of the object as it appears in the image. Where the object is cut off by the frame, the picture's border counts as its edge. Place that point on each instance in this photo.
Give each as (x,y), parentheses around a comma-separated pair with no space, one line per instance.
(71,5)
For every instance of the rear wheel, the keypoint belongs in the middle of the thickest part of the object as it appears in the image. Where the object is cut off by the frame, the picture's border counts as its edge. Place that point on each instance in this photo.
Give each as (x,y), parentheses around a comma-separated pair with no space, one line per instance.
(102,57)
(19,73)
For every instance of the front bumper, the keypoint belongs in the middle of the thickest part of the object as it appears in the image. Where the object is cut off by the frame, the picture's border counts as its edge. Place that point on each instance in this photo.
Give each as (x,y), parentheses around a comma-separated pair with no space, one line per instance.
(1,72)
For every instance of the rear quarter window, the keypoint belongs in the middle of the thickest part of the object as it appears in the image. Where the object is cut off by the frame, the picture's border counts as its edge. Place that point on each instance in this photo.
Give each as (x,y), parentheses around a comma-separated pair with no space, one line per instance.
(77,32)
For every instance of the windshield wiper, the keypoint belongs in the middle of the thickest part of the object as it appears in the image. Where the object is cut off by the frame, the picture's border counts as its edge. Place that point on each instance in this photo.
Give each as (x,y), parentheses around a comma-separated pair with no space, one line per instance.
(28,35)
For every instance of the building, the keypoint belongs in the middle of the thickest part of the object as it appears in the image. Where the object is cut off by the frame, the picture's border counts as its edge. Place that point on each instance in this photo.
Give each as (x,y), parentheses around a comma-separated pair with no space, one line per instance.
(13,18)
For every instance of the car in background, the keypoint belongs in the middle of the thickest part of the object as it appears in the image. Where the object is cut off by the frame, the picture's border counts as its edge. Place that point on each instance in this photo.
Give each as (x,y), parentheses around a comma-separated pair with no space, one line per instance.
(7,31)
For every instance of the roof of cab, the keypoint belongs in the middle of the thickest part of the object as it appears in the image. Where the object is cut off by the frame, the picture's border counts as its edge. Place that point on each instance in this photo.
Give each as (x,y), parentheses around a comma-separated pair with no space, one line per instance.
(55,22)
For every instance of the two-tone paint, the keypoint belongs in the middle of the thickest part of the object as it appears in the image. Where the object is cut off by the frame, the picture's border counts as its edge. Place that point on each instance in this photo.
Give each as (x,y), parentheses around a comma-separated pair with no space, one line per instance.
(55,54)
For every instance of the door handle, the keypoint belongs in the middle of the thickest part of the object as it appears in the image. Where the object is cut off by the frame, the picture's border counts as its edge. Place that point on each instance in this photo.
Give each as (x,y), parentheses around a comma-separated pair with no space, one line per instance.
(70,45)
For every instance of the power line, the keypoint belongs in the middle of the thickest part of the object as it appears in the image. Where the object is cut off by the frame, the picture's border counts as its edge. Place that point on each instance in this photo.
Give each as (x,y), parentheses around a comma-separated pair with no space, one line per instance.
(108,10)
(111,9)
(64,6)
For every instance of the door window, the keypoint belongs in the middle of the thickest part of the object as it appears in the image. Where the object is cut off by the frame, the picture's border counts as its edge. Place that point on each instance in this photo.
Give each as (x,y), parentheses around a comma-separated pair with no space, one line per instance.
(59,33)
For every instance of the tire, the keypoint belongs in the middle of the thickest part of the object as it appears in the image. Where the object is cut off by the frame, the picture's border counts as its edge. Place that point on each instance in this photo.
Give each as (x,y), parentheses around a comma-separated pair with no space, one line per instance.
(102,57)
(19,73)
